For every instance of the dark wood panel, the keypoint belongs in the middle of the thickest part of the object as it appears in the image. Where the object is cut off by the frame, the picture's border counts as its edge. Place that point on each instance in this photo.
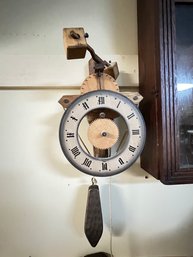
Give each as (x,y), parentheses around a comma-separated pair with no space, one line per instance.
(148,34)
(157,84)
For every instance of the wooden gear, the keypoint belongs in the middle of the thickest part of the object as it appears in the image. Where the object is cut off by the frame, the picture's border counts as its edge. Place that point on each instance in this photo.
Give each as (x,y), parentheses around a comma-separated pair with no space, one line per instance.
(94,82)
(103,133)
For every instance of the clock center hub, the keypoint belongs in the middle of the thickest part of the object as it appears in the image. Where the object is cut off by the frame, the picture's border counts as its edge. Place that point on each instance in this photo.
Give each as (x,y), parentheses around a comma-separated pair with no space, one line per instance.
(103,133)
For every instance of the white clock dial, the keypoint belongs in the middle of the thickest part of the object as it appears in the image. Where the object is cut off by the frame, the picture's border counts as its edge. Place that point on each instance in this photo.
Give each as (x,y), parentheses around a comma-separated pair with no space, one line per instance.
(123,153)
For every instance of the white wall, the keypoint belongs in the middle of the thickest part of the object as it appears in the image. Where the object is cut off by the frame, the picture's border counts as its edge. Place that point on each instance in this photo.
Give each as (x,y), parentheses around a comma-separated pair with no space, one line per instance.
(42,197)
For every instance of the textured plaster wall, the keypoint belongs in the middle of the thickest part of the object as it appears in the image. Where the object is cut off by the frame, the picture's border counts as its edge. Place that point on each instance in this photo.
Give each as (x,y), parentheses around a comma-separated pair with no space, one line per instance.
(42,197)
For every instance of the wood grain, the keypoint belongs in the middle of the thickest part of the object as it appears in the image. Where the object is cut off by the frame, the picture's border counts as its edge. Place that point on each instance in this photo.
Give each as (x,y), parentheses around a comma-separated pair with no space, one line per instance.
(156,34)
(75,48)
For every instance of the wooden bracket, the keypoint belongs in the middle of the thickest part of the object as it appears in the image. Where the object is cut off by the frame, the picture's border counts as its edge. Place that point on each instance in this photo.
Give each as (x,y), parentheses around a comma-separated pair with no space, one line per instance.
(135,97)
(75,43)
(66,100)
(111,70)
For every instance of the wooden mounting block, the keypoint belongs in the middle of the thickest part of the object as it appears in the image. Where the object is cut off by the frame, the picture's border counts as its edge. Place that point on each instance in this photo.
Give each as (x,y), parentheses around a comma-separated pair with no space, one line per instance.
(74,43)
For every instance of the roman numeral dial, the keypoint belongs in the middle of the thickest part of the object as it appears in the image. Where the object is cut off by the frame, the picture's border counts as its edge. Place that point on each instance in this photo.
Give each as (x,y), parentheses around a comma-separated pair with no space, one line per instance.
(80,141)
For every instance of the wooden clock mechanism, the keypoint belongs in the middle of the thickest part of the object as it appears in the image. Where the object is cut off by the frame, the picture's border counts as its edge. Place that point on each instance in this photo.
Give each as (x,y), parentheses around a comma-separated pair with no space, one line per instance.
(102,131)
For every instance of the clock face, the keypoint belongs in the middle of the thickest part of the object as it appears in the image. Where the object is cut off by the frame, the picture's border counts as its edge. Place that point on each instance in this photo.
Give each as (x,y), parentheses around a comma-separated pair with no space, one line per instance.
(110,142)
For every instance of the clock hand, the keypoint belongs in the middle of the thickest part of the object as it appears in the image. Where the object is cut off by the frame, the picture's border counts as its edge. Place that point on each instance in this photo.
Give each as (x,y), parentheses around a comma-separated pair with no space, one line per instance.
(99,85)
(122,140)
(83,144)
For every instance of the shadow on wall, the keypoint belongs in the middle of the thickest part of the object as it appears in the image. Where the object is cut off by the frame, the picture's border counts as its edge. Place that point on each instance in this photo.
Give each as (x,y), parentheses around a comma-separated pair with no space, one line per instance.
(115,202)
(116,20)
(16,24)
(79,209)
(175,242)
(126,79)
(53,151)
(124,31)
(118,217)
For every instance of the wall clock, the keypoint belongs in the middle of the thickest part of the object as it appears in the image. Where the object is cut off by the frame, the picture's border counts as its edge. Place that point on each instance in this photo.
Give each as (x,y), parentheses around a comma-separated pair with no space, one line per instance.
(102,131)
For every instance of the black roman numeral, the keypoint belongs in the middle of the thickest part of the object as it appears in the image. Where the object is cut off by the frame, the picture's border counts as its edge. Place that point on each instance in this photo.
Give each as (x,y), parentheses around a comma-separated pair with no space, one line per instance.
(75,151)
(121,161)
(104,166)
(132,148)
(135,132)
(85,105)
(101,100)
(70,134)
(118,104)
(73,118)
(87,162)
(130,116)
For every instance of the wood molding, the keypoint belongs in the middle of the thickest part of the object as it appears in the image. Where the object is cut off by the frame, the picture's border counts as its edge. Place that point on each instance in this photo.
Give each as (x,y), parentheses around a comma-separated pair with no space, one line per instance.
(58,87)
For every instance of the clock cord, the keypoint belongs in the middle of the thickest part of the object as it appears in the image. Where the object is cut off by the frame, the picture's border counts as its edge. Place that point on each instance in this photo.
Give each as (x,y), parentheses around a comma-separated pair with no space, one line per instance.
(99,81)
(110,217)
